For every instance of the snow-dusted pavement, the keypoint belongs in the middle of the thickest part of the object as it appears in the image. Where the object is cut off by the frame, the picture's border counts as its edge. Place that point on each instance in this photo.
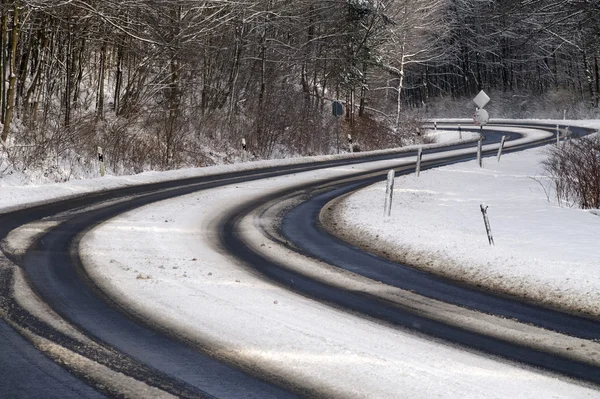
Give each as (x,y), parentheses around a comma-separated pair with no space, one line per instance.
(162,260)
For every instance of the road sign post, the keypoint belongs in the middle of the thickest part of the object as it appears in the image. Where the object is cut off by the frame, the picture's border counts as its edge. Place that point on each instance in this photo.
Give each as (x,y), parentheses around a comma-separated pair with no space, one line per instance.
(337,110)
(479,159)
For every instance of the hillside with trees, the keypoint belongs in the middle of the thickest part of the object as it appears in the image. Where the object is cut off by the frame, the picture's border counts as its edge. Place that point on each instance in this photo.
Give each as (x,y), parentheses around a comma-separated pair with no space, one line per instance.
(162,84)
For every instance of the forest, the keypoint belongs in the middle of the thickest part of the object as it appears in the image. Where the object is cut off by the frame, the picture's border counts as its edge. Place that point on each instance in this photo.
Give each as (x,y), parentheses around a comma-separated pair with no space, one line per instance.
(161,84)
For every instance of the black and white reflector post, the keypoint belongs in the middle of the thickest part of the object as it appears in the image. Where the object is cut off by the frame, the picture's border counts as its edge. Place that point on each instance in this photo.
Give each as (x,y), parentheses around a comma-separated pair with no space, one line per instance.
(101,161)
(419,157)
(501,147)
(244,145)
(486,221)
(459,132)
(557,135)
(350,143)
(389,193)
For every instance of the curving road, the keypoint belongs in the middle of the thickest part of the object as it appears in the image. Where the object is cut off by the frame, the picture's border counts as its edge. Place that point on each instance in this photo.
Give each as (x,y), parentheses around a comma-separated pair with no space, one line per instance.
(121,342)
(301,227)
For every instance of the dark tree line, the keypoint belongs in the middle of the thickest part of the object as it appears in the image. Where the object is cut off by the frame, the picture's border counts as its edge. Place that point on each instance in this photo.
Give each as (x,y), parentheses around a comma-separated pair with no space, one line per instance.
(160,83)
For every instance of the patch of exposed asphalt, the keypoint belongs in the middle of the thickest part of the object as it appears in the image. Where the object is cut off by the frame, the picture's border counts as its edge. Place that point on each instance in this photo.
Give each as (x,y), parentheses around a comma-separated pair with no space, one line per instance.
(106,370)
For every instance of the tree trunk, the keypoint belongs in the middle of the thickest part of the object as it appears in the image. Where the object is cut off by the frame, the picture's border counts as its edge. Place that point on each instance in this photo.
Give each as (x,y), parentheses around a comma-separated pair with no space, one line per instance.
(118,79)
(12,81)
(3,65)
(101,78)
(597,73)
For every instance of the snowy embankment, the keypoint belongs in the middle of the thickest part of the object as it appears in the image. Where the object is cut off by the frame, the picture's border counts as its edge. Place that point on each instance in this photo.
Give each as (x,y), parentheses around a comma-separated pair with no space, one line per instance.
(17,190)
(543,252)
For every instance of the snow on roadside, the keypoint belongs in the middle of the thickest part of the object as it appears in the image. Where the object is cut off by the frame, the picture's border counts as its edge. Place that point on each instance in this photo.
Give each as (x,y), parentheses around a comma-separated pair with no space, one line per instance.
(543,252)
(160,260)
(445,136)
(16,193)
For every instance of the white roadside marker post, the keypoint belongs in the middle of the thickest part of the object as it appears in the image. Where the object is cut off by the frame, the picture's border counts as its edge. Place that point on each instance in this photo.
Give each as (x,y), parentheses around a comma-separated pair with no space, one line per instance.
(350,143)
(459,132)
(486,221)
(557,135)
(389,193)
(435,125)
(245,150)
(101,161)
(419,157)
(501,147)
(564,114)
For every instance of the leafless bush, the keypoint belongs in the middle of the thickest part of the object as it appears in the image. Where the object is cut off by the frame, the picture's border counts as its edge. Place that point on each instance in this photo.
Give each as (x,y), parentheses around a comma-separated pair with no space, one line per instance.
(574,168)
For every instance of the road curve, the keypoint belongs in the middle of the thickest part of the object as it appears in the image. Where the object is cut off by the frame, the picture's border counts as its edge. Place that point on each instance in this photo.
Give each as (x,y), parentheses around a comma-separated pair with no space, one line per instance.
(136,348)
(301,227)
(142,352)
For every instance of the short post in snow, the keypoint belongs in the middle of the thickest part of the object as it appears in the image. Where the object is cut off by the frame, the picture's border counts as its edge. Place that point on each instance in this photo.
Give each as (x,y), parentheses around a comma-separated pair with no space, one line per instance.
(479,160)
(389,193)
(557,135)
(501,147)
(486,221)
(350,143)
(419,157)
(101,161)
(564,114)
(459,132)
(435,125)
(244,147)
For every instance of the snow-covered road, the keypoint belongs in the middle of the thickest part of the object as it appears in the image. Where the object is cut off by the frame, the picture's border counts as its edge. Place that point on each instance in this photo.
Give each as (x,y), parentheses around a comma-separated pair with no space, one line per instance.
(163,261)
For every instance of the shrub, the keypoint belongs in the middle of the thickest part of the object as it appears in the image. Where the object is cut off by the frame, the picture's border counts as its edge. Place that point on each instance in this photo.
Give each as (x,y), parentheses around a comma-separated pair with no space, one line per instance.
(574,167)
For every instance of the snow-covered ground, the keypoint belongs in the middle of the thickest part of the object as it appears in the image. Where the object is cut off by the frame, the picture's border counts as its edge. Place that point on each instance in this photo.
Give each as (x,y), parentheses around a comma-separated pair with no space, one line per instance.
(162,261)
(542,251)
(18,190)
